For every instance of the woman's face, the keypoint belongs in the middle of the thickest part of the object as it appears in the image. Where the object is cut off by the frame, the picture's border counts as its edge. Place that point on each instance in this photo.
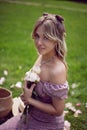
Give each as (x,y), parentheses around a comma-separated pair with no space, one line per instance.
(42,43)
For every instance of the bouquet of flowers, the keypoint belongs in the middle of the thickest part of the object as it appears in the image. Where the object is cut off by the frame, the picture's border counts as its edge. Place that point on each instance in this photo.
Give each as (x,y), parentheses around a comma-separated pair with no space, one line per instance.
(31,77)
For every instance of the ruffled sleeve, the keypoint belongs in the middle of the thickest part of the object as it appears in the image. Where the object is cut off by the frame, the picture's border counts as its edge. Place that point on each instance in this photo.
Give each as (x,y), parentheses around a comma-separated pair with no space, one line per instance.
(56,90)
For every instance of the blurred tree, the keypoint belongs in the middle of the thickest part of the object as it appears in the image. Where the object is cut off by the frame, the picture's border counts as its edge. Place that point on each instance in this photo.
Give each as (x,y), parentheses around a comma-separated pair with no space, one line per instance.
(82,1)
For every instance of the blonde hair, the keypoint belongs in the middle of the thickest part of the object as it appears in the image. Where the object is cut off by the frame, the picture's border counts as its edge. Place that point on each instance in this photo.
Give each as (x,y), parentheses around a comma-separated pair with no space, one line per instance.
(54,30)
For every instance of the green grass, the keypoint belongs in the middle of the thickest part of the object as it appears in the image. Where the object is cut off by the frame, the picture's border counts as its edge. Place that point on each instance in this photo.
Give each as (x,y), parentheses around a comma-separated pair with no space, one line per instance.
(17,47)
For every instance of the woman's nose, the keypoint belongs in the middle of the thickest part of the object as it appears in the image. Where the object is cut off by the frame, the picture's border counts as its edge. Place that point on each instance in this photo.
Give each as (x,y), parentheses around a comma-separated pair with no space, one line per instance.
(39,41)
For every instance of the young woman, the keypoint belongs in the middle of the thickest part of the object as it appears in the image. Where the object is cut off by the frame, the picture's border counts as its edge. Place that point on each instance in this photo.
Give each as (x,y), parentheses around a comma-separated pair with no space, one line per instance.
(47,111)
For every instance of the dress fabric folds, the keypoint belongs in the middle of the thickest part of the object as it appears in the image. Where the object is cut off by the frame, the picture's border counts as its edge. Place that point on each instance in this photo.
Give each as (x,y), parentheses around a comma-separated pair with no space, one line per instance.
(39,120)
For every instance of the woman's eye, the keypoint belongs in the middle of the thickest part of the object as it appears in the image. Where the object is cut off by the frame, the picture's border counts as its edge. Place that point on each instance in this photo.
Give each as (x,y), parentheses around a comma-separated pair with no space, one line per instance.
(36,36)
(45,38)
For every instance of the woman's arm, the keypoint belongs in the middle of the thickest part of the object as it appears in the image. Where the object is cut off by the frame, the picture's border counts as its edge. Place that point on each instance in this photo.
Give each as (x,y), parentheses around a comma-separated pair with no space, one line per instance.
(56,108)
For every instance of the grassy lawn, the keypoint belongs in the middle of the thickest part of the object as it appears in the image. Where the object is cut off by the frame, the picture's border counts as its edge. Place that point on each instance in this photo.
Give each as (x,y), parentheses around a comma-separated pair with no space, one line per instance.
(17,51)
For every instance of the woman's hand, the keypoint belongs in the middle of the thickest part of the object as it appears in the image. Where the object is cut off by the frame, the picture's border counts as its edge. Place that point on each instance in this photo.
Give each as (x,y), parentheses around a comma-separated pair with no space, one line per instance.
(27,93)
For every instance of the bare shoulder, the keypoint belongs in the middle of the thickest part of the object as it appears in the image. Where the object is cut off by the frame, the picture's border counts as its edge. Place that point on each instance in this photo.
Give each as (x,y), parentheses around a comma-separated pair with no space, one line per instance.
(58,72)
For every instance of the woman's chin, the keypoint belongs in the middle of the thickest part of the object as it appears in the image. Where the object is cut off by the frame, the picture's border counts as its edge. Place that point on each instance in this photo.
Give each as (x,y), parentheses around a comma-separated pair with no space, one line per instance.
(42,52)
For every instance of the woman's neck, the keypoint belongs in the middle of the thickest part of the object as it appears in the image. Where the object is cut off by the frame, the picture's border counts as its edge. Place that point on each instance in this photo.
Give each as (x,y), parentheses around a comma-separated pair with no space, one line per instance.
(47,58)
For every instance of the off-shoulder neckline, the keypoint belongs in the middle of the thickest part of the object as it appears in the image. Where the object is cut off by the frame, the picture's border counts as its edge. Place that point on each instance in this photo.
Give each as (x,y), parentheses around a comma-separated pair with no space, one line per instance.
(48,82)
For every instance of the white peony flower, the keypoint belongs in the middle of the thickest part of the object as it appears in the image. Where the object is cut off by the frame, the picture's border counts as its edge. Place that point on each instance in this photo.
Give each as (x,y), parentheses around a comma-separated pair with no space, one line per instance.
(68,105)
(2,80)
(76,114)
(36,69)
(27,75)
(65,112)
(5,72)
(72,93)
(67,125)
(33,74)
(18,85)
(73,109)
(75,85)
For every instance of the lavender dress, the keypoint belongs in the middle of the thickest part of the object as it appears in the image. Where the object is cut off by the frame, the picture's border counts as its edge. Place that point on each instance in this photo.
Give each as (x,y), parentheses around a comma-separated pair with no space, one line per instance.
(39,120)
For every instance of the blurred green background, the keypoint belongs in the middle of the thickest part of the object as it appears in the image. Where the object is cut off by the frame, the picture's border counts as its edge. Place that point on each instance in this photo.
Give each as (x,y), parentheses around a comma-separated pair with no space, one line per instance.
(17,51)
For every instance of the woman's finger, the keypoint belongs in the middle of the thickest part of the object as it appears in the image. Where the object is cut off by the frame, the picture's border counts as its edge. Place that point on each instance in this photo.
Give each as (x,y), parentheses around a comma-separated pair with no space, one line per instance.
(22,95)
(32,87)
(25,84)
